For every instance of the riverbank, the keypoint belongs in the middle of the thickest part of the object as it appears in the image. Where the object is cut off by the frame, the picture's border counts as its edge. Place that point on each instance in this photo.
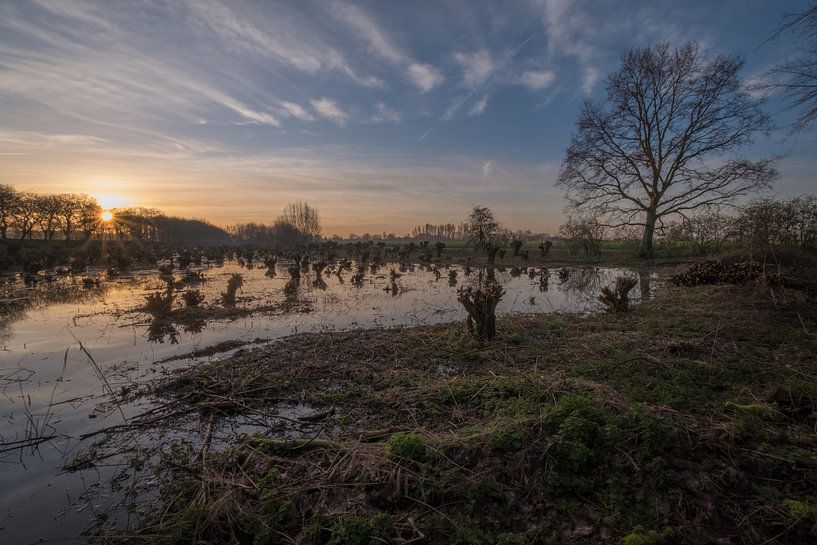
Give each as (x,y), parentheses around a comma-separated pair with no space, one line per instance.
(688,420)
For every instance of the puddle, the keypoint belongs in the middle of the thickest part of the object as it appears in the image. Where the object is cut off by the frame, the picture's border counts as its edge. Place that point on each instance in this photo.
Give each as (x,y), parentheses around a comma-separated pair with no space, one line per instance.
(52,387)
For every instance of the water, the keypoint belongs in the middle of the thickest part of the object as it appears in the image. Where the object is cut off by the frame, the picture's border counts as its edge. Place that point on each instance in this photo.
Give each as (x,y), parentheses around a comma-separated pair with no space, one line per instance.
(51,389)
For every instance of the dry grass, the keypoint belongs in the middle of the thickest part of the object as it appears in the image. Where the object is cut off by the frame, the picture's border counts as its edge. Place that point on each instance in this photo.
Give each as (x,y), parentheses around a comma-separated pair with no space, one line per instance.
(689,420)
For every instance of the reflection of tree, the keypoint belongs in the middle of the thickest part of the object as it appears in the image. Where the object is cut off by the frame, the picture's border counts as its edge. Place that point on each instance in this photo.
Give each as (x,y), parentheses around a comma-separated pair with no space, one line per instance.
(159,328)
(194,326)
(644,283)
(15,301)
(581,281)
(290,289)
(544,278)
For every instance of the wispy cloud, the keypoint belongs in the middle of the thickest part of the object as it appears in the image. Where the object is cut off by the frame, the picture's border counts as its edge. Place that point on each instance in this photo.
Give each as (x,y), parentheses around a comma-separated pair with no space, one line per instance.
(330,110)
(537,80)
(487,168)
(477,67)
(479,107)
(424,76)
(384,114)
(296,110)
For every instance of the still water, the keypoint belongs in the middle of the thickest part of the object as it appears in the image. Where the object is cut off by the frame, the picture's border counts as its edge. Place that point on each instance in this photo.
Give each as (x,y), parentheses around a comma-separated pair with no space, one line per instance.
(68,344)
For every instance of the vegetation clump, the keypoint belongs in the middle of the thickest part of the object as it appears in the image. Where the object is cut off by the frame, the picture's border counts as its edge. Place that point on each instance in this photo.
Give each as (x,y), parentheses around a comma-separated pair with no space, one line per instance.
(481,303)
(616,298)
(717,272)
(160,304)
(193,298)
(228,298)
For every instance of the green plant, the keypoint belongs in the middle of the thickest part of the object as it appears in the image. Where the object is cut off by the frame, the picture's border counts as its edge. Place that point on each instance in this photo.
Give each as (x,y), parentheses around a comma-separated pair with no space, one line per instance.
(407,446)
(639,536)
(357,530)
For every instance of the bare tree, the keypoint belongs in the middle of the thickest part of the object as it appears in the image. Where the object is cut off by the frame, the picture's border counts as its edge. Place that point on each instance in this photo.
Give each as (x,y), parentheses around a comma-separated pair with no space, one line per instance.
(49,208)
(583,235)
(70,208)
(88,216)
(656,146)
(482,227)
(797,77)
(8,201)
(304,218)
(26,214)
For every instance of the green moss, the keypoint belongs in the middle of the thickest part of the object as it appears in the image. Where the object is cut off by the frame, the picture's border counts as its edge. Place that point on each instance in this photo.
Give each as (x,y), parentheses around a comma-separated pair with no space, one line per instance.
(362,530)
(511,539)
(639,536)
(407,446)
(801,509)
(511,437)
(643,434)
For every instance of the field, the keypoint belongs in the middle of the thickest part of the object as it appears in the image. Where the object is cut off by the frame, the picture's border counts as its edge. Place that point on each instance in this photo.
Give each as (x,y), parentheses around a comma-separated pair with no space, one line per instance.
(679,422)
(350,405)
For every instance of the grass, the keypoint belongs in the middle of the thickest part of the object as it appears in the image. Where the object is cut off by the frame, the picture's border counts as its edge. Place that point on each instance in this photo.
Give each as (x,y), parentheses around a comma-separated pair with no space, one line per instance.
(690,419)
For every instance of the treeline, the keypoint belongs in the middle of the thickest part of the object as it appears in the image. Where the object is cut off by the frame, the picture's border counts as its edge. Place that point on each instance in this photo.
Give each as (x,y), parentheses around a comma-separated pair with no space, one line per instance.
(761,225)
(442,231)
(27,215)
(152,226)
(461,231)
(298,224)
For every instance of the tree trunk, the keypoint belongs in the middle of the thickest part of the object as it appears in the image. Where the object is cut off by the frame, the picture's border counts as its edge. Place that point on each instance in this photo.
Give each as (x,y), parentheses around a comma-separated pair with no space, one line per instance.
(649,231)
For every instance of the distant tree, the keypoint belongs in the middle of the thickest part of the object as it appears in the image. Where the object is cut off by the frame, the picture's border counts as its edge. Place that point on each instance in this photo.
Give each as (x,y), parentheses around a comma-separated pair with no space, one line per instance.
(70,206)
(8,201)
(583,236)
(797,77)
(48,212)
(647,151)
(88,211)
(481,226)
(26,214)
(304,218)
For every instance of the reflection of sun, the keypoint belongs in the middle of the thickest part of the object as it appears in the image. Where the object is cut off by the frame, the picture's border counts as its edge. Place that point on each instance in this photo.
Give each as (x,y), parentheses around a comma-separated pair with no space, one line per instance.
(107,215)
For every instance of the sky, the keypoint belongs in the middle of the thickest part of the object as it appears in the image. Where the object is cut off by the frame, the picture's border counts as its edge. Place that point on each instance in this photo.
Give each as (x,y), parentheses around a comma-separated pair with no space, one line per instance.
(384,115)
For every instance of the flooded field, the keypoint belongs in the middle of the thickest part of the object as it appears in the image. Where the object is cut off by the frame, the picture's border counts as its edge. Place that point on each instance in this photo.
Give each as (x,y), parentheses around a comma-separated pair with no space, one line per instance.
(73,345)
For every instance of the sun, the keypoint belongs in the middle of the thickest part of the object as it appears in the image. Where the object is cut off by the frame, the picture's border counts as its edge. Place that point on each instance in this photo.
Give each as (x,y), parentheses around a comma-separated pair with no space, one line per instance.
(106,215)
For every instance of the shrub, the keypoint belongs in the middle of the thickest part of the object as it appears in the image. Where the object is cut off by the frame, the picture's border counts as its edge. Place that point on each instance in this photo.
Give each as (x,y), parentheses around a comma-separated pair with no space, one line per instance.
(192,298)
(616,298)
(236,281)
(159,304)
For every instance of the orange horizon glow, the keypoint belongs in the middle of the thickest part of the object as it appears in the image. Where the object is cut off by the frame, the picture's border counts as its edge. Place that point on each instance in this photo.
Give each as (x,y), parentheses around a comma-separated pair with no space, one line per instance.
(106,215)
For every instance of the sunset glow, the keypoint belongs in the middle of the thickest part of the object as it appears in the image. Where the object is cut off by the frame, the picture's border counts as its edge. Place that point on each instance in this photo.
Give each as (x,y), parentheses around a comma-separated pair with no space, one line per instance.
(107,215)
(112,200)
(232,109)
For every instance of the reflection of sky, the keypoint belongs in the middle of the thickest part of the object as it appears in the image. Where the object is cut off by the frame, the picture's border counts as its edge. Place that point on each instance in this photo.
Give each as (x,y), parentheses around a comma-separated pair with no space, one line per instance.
(227,110)
(35,343)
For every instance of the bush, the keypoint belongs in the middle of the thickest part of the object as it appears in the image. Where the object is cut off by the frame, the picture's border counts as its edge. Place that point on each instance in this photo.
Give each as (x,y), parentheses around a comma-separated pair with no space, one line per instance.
(193,298)
(159,304)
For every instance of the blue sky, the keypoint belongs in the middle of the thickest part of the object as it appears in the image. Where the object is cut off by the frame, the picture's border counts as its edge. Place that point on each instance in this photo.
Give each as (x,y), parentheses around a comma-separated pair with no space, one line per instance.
(382,114)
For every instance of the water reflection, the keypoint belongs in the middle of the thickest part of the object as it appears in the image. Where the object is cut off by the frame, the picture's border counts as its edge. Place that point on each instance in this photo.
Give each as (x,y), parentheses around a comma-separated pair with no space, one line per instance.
(38,323)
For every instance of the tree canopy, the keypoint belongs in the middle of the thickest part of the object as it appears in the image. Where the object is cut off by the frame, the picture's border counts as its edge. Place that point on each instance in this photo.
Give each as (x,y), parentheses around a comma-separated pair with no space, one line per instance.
(660,143)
